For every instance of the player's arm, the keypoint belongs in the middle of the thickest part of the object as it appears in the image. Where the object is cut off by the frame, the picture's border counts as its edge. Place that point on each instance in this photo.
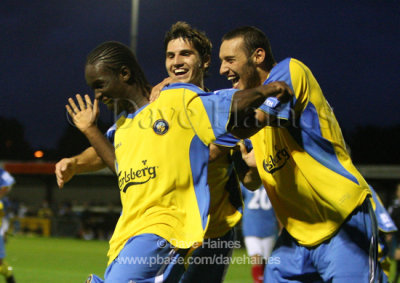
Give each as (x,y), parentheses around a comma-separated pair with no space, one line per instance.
(87,161)
(84,118)
(245,120)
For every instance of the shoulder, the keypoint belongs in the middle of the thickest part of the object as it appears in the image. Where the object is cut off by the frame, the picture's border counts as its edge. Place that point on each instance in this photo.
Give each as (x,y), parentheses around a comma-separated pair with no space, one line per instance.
(298,67)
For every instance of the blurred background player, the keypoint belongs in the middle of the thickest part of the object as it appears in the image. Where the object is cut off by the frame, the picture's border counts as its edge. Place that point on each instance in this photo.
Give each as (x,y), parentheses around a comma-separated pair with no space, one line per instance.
(321,199)
(260,229)
(386,227)
(6,183)
(394,211)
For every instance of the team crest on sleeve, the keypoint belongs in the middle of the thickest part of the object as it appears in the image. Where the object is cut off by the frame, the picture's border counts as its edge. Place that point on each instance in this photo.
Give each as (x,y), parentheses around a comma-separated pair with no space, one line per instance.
(160,127)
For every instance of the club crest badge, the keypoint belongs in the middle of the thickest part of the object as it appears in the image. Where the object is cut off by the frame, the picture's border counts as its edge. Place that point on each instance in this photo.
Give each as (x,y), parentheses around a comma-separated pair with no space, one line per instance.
(160,127)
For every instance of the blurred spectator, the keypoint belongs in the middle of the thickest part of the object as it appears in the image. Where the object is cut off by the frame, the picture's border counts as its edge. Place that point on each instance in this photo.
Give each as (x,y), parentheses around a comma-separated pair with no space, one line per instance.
(110,220)
(45,211)
(6,183)
(87,224)
(394,211)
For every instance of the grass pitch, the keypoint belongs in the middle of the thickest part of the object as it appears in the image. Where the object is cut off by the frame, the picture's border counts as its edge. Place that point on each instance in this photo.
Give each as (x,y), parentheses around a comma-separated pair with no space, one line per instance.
(63,260)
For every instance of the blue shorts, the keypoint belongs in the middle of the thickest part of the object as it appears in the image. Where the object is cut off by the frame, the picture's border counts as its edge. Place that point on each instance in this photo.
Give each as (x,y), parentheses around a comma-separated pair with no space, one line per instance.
(211,260)
(349,256)
(145,258)
(2,248)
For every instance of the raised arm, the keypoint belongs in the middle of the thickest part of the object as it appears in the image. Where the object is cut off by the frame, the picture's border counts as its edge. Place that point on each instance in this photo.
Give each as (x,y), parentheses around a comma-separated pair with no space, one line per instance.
(84,118)
(87,161)
(245,120)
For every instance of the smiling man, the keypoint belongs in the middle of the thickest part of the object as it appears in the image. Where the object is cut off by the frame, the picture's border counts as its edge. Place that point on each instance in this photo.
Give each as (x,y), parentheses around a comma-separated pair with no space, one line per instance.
(317,193)
(187,59)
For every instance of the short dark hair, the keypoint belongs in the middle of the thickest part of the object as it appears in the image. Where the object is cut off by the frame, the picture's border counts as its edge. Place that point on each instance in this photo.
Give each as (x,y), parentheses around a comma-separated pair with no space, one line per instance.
(198,38)
(253,38)
(114,55)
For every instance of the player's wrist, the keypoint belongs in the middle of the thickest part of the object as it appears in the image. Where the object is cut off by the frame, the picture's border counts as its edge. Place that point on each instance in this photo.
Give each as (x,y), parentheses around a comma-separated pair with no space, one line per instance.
(88,130)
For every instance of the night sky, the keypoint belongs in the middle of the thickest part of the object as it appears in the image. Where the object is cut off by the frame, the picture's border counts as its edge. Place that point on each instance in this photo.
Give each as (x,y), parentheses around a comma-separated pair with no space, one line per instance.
(352,48)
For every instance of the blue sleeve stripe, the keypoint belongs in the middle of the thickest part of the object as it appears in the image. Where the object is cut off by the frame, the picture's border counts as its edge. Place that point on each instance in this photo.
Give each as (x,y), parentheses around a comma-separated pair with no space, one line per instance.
(309,136)
(218,106)
(190,87)
(198,151)
(280,72)
(385,222)
(227,140)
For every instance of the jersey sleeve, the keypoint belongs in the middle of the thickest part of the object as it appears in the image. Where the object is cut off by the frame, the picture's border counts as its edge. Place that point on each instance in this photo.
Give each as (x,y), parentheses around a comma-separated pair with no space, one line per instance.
(295,74)
(6,180)
(209,113)
(110,134)
(227,140)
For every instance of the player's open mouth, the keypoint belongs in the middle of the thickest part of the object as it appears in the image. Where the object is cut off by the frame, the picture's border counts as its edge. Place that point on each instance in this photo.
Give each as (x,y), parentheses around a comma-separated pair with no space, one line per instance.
(180,72)
(234,80)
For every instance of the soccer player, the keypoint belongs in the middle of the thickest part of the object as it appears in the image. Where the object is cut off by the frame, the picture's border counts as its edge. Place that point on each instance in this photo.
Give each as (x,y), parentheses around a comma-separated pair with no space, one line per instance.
(318,195)
(260,227)
(188,55)
(164,210)
(6,183)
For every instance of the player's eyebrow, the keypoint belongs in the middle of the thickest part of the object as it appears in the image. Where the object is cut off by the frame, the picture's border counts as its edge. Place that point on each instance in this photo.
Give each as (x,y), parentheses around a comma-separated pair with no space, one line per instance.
(230,57)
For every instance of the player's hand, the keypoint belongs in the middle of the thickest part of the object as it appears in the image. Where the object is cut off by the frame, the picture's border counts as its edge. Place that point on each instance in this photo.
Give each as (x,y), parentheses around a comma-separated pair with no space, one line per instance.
(248,157)
(156,90)
(281,91)
(65,170)
(85,114)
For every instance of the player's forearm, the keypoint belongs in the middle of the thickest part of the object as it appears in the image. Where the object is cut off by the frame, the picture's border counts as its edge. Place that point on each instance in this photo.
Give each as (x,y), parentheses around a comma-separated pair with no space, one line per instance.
(101,145)
(244,122)
(88,161)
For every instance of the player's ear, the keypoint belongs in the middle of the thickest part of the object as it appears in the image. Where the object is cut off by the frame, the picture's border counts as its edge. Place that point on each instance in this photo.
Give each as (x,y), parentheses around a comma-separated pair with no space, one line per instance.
(259,56)
(125,73)
(206,61)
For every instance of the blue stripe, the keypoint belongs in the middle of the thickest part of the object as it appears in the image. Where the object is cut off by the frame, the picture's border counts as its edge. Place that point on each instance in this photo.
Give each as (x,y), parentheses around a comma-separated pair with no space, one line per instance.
(132,115)
(309,136)
(227,140)
(280,72)
(218,107)
(199,154)
(191,87)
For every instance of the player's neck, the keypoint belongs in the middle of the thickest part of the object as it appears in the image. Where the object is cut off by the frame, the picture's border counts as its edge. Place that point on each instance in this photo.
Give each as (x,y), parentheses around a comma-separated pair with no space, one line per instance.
(137,97)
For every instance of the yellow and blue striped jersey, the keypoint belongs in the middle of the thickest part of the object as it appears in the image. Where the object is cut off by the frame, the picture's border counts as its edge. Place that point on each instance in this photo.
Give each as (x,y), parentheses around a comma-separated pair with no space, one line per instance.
(161,161)
(226,203)
(305,167)
(225,196)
